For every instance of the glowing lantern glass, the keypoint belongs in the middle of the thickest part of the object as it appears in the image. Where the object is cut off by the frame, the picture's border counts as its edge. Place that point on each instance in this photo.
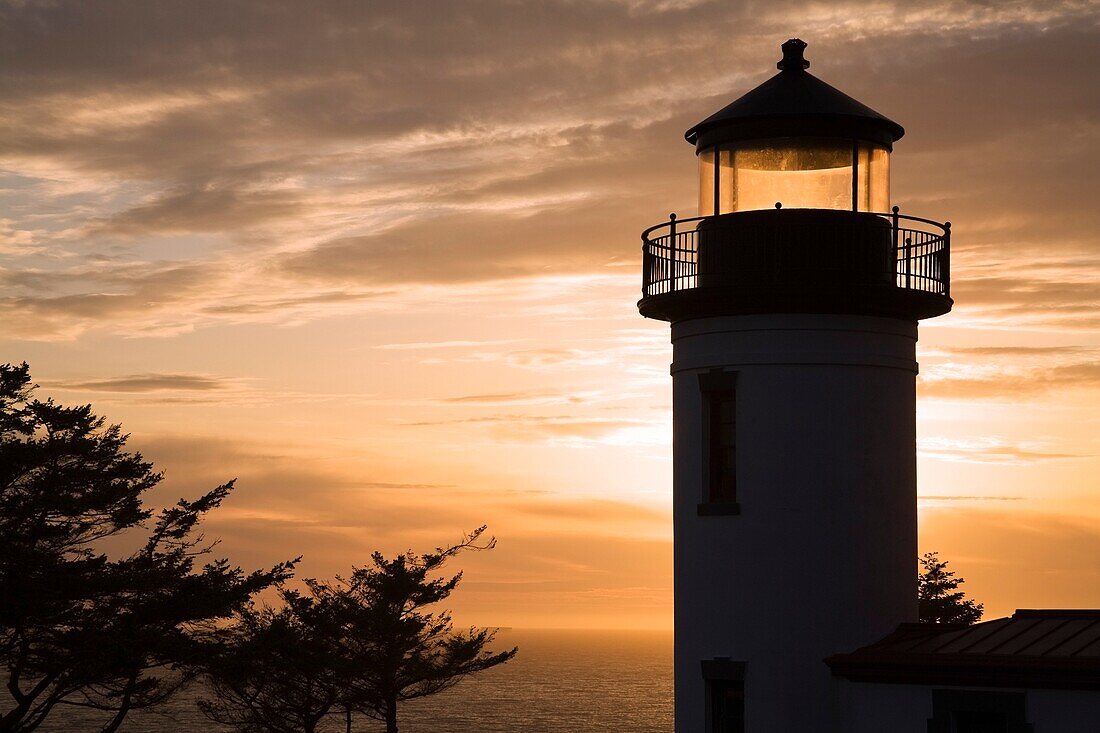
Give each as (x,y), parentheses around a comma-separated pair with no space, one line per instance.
(801,173)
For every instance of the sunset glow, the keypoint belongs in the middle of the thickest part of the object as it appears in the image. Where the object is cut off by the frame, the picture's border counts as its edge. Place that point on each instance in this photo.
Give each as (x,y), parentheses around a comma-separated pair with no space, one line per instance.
(380,262)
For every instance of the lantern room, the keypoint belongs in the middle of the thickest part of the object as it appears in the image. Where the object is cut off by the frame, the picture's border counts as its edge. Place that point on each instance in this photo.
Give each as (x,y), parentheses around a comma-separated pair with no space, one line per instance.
(795,214)
(795,142)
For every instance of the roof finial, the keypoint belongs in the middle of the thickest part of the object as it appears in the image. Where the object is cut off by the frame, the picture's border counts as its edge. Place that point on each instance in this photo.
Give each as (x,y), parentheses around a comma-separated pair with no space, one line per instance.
(792,56)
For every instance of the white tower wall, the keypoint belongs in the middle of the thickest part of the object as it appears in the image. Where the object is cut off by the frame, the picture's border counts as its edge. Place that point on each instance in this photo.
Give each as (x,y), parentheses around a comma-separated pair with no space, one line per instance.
(821,558)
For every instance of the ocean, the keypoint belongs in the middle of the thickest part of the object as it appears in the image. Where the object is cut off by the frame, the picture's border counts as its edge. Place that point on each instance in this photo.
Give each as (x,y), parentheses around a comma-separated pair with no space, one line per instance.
(560,682)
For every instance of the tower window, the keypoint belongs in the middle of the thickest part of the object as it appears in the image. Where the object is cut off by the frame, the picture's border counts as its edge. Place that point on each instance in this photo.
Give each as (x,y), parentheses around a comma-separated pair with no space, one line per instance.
(719,443)
(723,446)
(725,689)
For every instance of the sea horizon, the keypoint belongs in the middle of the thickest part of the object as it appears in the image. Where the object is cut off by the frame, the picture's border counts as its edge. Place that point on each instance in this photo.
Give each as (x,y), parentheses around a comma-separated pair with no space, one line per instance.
(562,680)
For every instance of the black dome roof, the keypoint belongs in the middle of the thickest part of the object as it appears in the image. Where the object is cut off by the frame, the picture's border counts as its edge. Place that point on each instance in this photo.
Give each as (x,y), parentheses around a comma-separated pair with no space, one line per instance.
(794,102)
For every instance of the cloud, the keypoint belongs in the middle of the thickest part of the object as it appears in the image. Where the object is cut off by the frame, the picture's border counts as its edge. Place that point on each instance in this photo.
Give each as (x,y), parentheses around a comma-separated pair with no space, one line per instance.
(433,345)
(516,398)
(200,209)
(990,450)
(147,383)
(544,357)
(304,161)
(1012,371)
(577,430)
(1034,299)
(124,294)
(458,248)
(1002,351)
(1008,383)
(289,307)
(593,510)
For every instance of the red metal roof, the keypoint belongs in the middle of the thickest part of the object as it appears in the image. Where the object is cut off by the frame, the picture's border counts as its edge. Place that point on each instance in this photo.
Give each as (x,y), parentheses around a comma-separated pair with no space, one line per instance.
(1031,648)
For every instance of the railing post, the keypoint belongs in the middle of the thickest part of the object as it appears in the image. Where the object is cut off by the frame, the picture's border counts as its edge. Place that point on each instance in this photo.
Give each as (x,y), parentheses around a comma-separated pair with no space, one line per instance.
(947,259)
(855,176)
(647,265)
(894,239)
(674,251)
(908,261)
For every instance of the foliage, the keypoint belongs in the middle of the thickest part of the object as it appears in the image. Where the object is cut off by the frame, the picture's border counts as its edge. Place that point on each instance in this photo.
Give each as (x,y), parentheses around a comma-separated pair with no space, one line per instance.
(365,644)
(401,650)
(275,674)
(76,626)
(939,599)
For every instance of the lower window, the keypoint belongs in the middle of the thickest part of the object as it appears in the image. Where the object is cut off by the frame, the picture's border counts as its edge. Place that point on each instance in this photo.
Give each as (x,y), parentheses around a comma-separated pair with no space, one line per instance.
(727,711)
(725,695)
(978,711)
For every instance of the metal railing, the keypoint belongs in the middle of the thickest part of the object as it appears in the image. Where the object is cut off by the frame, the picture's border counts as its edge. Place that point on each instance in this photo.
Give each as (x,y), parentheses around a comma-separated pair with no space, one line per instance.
(866,248)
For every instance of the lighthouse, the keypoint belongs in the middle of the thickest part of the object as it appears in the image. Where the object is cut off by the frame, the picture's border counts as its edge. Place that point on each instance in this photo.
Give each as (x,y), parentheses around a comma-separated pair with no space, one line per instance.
(793,300)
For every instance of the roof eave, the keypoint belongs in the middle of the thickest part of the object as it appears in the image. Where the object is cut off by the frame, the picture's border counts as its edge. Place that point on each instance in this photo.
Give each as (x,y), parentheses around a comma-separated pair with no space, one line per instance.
(881,131)
(984,670)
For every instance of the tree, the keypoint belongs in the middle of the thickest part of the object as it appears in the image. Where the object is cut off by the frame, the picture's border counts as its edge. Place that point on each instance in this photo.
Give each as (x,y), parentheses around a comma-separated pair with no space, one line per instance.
(274,675)
(396,649)
(362,644)
(939,599)
(78,627)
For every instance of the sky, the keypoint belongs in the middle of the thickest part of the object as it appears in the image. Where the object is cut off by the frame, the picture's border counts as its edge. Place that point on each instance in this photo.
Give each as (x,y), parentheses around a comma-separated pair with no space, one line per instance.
(379,261)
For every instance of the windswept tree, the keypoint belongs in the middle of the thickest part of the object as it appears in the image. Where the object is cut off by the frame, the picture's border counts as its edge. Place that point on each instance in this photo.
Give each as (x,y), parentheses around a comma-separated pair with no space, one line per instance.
(79,627)
(397,647)
(364,644)
(275,674)
(939,599)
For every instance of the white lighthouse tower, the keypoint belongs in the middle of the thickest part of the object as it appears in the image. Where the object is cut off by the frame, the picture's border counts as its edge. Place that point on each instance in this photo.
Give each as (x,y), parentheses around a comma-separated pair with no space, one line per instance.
(793,300)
